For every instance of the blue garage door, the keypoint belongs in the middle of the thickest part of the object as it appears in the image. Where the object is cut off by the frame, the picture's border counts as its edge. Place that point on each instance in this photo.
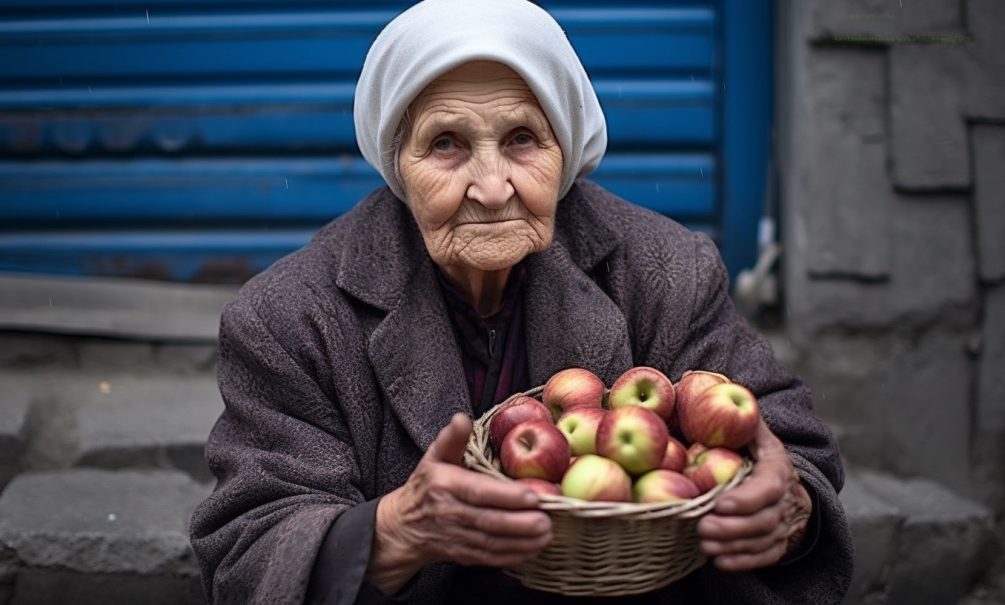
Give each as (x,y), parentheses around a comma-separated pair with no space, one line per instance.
(201,141)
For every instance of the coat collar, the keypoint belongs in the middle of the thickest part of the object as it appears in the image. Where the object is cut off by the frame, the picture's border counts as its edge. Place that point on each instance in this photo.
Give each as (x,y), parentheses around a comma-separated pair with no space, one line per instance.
(570,320)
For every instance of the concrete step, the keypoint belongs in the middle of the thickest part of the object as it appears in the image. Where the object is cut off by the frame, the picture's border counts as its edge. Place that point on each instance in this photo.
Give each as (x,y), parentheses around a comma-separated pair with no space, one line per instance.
(107,419)
(15,403)
(119,307)
(916,542)
(99,536)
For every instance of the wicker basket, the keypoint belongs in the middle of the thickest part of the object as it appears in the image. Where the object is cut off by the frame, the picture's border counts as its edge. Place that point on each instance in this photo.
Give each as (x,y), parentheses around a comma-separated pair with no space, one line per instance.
(605,548)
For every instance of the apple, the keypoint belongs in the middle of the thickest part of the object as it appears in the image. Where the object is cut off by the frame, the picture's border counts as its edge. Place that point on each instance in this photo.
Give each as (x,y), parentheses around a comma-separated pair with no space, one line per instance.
(675,458)
(516,411)
(695,382)
(594,477)
(634,437)
(693,451)
(646,387)
(661,485)
(579,425)
(712,467)
(572,388)
(540,486)
(724,415)
(535,449)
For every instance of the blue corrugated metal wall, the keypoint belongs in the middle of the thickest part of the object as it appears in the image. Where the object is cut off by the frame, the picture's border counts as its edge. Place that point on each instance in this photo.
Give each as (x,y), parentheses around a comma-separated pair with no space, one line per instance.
(200,141)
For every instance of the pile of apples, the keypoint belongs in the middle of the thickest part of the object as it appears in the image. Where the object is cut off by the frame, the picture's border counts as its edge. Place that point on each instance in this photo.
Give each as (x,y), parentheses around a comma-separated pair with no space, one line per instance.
(647,441)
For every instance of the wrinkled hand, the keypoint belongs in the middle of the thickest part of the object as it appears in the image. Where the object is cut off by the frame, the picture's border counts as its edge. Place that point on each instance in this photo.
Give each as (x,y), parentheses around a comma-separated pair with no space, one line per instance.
(756,523)
(445,512)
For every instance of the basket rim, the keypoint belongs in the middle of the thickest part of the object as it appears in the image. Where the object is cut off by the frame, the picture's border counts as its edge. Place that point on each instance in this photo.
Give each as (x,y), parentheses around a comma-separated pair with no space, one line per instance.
(478,456)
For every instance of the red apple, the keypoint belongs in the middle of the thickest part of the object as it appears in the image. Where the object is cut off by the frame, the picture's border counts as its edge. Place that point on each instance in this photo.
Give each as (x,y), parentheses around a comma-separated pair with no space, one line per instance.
(634,437)
(535,449)
(693,451)
(693,383)
(593,477)
(646,387)
(516,411)
(572,388)
(724,415)
(675,458)
(541,486)
(661,485)
(579,425)
(712,467)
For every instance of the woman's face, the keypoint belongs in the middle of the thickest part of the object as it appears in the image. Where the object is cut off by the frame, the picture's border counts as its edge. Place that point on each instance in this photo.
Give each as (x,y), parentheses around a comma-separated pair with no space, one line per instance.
(481,168)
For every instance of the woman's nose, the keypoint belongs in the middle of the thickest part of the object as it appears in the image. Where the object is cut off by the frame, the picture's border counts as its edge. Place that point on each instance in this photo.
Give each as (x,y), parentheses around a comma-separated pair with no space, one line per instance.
(490,185)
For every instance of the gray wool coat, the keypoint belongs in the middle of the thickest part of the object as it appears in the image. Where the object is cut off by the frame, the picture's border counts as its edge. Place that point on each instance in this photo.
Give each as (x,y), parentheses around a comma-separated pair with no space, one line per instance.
(339,365)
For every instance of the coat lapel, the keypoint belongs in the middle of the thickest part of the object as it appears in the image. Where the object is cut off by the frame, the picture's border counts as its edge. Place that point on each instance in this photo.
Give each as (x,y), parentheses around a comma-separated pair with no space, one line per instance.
(417,363)
(412,350)
(570,321)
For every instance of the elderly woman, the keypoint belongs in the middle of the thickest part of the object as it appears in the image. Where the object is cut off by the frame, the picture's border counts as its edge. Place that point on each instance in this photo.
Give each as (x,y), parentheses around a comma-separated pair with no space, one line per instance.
(351,368)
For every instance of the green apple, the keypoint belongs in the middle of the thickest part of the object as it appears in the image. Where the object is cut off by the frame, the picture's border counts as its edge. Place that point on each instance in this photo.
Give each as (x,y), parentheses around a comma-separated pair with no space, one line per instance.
(579,425)
(646,387)
(661,485)
(593,477)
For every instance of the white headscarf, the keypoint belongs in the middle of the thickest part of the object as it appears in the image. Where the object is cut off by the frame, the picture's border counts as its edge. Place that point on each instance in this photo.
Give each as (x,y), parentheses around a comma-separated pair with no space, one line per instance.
(436,36)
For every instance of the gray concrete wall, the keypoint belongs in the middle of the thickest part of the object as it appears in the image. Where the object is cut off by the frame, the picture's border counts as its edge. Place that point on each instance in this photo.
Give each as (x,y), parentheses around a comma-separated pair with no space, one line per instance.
(891,117)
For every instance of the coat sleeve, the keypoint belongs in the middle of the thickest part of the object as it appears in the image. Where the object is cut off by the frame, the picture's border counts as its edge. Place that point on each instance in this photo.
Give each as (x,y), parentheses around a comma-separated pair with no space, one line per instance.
(285,467)
(718,339)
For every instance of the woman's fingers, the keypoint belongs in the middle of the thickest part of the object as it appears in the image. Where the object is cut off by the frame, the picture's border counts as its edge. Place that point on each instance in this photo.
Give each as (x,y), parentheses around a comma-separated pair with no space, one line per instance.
(526,524)
(750,543)
(447,507)
(466,534)
(450,441)
(722,528)
(489,545)
(765,486)
(482,490)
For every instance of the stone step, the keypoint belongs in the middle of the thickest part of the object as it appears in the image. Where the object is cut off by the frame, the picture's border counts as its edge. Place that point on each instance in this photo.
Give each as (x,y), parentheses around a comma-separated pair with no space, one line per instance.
(15,403)
(108,420)
(119,307)
(99,536)
(916,542)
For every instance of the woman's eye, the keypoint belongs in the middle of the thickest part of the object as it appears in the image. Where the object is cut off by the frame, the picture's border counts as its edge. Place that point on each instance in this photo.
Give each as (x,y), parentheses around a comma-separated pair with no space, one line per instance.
(443,144)
(523,138)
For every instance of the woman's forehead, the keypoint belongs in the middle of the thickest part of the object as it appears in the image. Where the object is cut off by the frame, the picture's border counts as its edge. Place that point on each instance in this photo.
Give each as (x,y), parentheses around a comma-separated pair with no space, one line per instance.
(475,79)
(474,71)
(491,91)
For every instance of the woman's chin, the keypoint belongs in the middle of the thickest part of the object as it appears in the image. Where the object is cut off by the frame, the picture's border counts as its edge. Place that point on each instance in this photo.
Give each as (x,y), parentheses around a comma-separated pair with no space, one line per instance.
(493,259)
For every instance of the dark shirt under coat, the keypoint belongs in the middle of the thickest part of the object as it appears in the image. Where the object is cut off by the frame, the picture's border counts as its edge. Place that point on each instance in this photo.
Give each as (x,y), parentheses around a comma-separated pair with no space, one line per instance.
(339,365)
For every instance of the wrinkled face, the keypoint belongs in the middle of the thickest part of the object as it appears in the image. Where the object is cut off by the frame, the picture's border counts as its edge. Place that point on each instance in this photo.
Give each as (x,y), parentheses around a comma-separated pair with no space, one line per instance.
(481,168)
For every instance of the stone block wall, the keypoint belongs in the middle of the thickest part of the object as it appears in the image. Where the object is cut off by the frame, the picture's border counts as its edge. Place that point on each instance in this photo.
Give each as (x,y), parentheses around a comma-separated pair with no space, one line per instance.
(891,148)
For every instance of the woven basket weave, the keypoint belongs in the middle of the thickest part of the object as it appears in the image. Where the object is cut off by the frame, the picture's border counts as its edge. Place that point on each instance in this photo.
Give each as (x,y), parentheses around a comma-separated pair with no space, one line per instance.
(605,548)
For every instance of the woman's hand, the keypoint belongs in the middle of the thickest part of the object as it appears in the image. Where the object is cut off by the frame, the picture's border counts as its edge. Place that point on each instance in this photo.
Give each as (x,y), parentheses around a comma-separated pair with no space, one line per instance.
(445,512)
(756,523)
